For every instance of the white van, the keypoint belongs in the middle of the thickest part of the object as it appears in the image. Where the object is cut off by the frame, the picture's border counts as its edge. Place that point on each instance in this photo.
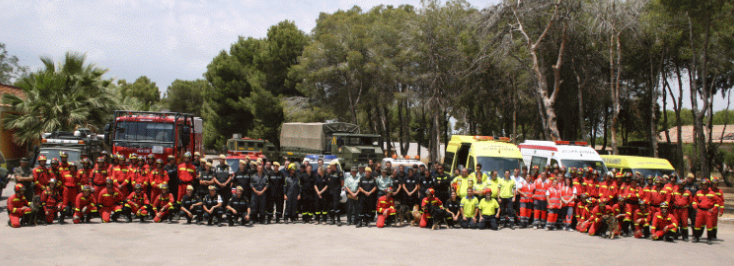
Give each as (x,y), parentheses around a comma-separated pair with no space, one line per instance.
(407,162)
(562,153)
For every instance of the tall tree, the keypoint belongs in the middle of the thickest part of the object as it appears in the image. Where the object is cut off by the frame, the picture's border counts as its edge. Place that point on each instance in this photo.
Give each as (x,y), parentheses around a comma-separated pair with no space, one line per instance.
(9,67)
(59,98)
(186,96)
(142,89)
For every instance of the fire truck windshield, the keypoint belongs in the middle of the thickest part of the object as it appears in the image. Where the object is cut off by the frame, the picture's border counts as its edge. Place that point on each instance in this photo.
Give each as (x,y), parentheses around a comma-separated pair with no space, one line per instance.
(140,133)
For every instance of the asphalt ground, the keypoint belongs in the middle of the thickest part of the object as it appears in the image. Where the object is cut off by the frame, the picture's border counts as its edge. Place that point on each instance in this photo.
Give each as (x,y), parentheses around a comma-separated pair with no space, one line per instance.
(307,244)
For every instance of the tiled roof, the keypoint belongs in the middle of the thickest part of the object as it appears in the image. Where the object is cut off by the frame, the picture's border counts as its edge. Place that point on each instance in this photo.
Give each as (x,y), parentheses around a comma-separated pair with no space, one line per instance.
(12,90)
(687,134)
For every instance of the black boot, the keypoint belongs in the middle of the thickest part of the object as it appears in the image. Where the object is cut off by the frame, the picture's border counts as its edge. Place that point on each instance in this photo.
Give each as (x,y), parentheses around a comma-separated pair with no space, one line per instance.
(333,220)
(62,216)
(338,220)
(359,223)
(188,219)
(713,234)
(668,237)
(231,221)
(709,236)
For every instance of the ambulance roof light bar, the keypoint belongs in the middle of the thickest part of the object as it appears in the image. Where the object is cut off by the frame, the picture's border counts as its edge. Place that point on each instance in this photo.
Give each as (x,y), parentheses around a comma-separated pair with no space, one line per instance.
(566,142)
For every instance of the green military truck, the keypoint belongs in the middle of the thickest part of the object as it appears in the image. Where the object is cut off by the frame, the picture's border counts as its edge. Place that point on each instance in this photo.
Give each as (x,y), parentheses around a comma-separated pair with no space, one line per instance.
(341,139)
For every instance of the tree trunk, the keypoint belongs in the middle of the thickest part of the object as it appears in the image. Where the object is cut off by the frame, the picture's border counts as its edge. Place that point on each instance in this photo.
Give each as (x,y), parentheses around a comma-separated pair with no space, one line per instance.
(665,109)
(436,133)
(678,120)
(401,119)
(698,116)
(653,116)
(615,69)
(606,129)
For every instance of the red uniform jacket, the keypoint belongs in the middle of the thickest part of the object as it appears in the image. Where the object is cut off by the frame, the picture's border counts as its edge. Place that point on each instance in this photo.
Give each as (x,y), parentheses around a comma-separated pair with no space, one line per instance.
(540,188)
(110,197)
(645,215)
(138,175)
(578,183)
(16,204)
(158,177)
(70,180)
(681,199)
(433,201)
(660,221)
(582,212)
(658,195)
(554,198)
(597,213)
(186,173)
(51,198)
(527,193)
(719,197)
(632,194)
(119,174)
(591,187)
(83,175)
(163,201)
(41,176)
(99,176)
(705,199)
(84,201)
(607,190)
(138,201)
(384,203)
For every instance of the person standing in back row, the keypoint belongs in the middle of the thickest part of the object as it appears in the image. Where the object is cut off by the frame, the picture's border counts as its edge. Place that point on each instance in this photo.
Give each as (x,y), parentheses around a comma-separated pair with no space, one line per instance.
(223,179)
(275,199)
(336,183)
(259,185)
(186,175)
(291,193)
(367,198)
(351,184)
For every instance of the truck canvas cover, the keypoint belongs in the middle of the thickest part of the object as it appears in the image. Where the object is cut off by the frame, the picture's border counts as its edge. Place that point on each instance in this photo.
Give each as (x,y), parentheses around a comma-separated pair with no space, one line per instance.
(312,135)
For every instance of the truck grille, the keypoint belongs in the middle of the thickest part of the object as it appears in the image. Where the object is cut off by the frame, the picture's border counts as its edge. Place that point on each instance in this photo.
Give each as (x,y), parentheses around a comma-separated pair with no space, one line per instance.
(372,151)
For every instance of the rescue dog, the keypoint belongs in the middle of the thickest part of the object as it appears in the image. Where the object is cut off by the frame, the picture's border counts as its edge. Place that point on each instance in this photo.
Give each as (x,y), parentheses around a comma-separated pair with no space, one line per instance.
(438,215)
(416,215)
(36,211)
(402,213)
(612,226)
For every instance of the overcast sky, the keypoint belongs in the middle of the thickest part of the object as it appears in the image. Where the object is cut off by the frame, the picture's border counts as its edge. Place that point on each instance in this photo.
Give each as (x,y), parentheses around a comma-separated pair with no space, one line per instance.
(164,40)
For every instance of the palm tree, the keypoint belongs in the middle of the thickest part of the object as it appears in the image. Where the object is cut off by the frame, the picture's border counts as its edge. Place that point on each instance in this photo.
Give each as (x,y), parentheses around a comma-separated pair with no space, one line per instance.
(59,98)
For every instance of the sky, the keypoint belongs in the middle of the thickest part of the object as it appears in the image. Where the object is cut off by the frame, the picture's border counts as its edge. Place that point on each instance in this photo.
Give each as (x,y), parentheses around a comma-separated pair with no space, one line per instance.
(164,40)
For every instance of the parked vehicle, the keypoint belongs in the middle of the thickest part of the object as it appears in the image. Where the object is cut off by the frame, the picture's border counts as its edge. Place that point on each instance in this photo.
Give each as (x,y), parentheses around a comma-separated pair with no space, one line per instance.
(341,139)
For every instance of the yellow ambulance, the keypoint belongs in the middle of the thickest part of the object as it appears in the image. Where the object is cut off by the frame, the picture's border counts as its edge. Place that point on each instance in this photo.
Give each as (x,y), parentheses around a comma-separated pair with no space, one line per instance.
(645,165)
(494,154)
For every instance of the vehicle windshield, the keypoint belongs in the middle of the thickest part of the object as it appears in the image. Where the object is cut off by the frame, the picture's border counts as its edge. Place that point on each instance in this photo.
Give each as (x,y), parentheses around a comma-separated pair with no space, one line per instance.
(145,131)
(653,172)
(144,134)
(597,165)
(234,164)
(74,155)
(498,164)
(360,141)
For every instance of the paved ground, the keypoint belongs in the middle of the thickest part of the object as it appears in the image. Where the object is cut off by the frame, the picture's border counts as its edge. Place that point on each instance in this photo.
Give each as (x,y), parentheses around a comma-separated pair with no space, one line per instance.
(299,244)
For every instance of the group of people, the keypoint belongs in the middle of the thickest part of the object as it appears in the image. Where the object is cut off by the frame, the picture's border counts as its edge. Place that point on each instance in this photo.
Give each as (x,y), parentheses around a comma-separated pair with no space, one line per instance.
(259,191)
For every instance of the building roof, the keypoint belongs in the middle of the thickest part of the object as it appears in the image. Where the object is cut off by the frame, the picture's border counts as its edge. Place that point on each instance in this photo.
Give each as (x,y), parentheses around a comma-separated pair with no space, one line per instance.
(687,134)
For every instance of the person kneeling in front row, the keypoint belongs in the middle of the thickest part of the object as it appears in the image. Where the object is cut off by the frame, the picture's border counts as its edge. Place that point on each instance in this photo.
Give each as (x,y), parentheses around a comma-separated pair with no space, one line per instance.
(238,208)
(490,211)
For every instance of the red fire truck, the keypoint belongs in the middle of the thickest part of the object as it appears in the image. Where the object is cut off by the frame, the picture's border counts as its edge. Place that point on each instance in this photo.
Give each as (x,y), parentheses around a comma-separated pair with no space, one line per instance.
(159,133)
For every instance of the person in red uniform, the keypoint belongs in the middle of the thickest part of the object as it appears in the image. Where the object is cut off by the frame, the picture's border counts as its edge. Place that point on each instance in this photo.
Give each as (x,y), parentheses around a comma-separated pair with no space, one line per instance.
(85,174)
(158,176)
(51,201)
(385,209)
(526,201)
(70,183)
(596,221)
(720,210)
(706,204)
(670,182)
(632,196)
(139,174)
(138,204)
(657,195)
(18,207)
(41,175)
(99,176)
(568,198)
(85,205)
(163,204)
(553,197)
(619,211)
(540,205)
(110,202)
(186,175)
(120,175)
(426,218)
(642,220)
(150,163)
(681,199)
(664,224)
(55,171)
(607,188)
(583,213)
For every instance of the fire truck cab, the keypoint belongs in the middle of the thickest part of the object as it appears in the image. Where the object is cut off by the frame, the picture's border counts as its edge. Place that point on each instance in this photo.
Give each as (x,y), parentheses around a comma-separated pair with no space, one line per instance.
(157,133)
(78,144)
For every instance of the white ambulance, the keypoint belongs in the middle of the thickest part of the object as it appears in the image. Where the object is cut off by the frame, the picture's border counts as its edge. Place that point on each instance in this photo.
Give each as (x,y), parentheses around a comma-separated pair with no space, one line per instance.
(562,153)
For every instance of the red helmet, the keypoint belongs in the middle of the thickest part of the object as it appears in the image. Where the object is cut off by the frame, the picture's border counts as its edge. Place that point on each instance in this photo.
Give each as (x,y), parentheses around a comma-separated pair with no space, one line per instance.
(64,154)
(705,182)
(19,187)
(42,158)
(54,160)
(487,191)
(430,191)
